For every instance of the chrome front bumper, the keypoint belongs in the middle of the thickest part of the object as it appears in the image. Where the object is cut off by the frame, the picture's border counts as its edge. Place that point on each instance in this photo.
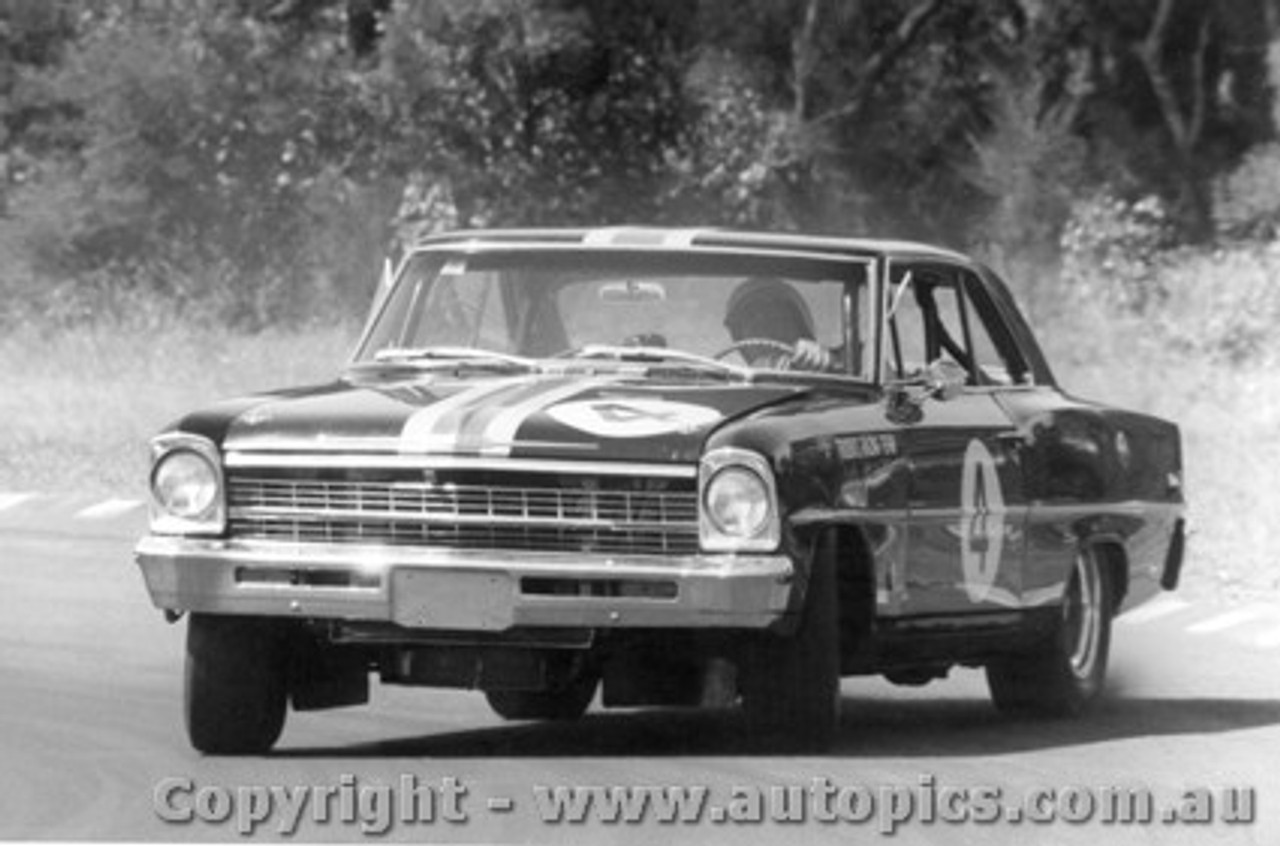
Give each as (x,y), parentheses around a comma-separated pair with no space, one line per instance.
(462,589)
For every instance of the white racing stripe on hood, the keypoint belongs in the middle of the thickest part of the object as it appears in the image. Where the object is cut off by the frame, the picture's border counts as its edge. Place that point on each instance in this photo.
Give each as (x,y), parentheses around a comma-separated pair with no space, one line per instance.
(424,432)
(468,426)
(484,419)
(501,430)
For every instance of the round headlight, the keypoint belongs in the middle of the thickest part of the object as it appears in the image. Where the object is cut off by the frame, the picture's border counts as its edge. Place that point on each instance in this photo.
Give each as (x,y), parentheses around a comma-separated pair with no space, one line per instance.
(185,484)
(737,502)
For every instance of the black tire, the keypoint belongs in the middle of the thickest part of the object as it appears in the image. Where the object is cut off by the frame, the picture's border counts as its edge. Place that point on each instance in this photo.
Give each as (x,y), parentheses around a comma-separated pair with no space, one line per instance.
(565,703)
(1067,673)
(235,690)
(790,686)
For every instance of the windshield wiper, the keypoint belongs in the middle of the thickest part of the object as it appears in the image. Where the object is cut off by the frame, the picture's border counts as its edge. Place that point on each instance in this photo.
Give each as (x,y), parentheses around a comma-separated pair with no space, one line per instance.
(447,357)
(660,355)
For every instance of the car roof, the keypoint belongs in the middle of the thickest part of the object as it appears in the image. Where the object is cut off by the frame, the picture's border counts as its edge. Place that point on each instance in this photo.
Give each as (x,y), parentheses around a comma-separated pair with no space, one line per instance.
(669,238)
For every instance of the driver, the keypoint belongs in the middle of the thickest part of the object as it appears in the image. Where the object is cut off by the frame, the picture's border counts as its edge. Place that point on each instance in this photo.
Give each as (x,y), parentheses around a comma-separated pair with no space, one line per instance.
(767,309)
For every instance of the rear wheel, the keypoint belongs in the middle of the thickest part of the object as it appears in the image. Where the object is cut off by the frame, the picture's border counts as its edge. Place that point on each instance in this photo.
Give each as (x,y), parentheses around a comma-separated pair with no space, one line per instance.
(791,686)
(1065,675)
(564,703)
(235,688)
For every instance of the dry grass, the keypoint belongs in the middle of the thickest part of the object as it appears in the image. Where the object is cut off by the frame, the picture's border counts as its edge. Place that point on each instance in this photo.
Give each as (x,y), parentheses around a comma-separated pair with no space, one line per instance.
(79,405)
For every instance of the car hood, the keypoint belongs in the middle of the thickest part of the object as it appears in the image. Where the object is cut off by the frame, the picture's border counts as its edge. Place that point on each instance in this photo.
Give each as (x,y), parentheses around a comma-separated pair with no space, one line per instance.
(609,417)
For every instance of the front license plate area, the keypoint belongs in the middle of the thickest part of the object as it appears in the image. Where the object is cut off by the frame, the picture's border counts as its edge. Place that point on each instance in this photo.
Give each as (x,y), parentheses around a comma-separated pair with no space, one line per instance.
(451,599)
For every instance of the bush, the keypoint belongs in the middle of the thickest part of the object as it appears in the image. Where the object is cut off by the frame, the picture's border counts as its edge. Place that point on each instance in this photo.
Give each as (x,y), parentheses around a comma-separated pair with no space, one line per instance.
(1248,199)
(1222,304)
(1111,249)
(1027,165)
(1217,304)
(249,167)
(201,143)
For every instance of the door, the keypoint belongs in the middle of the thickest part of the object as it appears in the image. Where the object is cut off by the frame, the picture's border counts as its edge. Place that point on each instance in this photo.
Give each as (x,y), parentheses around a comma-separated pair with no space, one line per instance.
(966,506)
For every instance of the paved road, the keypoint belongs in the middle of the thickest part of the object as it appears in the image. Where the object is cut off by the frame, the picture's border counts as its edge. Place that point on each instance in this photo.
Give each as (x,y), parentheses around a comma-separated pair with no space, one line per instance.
(90,731)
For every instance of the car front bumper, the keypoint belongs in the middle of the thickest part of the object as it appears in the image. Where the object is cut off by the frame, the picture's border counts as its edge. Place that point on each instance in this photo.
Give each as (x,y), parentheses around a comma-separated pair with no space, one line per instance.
(464,589)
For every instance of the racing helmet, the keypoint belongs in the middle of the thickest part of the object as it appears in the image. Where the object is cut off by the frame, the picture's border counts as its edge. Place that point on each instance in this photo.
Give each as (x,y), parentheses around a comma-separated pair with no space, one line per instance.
(765,307)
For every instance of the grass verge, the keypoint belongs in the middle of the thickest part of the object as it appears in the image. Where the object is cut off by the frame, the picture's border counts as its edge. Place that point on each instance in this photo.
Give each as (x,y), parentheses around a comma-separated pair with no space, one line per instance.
(80,404)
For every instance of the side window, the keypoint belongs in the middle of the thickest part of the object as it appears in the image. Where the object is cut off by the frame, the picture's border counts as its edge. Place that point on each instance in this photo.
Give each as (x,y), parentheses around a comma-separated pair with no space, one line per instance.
(926,323)
(906,353)
(934,316)
(991,366)
(950,341)
(995,355)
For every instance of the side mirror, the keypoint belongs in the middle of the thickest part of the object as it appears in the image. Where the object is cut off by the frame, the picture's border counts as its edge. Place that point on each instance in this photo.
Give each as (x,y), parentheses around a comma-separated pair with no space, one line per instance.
(902,407)
(942,380)
(945,380)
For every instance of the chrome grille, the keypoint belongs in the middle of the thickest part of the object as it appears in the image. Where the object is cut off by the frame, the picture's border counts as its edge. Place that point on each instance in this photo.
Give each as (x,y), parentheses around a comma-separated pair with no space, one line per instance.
(647,516)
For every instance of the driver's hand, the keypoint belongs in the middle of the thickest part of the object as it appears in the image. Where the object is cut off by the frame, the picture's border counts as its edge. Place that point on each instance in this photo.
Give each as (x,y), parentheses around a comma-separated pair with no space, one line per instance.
(810,355)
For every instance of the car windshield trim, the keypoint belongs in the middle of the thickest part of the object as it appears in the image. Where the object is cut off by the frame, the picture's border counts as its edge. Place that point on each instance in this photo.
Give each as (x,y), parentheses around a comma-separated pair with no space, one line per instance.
(656,355)
(450,356)
(400,308)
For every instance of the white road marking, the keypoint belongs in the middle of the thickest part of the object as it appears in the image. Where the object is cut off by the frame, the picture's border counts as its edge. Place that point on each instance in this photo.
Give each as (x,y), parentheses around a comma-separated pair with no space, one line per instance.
(1268,639)
(10,500)
(1154,610)
(108,508)
(1230,619)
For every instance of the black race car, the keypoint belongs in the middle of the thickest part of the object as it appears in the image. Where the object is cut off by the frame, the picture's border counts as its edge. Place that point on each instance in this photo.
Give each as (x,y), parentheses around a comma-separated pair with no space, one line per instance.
(677,467)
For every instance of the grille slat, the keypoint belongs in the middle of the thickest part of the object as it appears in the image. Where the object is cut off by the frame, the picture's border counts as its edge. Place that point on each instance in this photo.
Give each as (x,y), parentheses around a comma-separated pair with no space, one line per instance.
(501,516)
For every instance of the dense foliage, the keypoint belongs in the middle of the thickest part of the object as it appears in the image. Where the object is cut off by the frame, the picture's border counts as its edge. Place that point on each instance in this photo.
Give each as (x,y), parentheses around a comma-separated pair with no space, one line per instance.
(258,156)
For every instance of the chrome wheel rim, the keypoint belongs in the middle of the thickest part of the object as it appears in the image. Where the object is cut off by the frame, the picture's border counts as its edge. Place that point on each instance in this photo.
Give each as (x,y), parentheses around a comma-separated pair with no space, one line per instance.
(1083,616)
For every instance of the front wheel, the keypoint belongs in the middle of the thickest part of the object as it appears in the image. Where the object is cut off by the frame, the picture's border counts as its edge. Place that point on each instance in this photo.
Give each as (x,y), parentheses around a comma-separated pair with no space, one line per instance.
(790,686)
(235,687)
(1065,675)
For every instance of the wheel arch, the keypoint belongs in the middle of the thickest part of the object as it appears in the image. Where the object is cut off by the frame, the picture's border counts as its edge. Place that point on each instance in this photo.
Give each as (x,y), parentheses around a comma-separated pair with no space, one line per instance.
(1114,559)
(855,579)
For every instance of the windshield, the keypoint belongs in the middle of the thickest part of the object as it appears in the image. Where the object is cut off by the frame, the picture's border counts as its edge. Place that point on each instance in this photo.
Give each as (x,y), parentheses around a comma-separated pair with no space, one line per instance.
(512,308)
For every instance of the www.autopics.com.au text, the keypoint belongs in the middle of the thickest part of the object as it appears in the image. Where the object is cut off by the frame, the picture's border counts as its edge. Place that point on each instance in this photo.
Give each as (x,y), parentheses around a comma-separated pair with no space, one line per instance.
(375,808)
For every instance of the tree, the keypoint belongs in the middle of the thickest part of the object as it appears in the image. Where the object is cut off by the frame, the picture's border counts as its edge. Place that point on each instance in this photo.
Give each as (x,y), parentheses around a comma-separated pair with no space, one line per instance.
(1178,94)
(879,100)
(561,113)
(265,144)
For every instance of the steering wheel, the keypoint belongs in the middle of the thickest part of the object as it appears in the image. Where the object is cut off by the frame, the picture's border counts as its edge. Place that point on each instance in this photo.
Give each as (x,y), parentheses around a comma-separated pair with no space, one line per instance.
(774,352)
